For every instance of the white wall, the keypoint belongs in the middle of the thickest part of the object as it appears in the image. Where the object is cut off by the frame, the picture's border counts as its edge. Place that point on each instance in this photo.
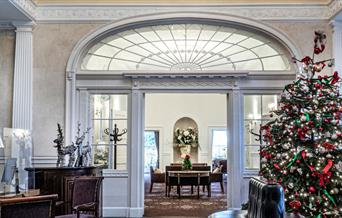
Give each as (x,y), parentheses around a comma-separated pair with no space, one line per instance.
(163,110)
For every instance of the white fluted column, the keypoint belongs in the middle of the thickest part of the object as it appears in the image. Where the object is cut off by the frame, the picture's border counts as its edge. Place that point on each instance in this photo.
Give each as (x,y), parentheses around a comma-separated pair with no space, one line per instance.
(23,72)
(337,44)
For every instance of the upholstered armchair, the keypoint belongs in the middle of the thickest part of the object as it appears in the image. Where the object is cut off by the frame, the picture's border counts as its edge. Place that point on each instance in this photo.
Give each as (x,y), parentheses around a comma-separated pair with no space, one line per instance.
(85,197)
(42,206)
(156,178)
(217,176)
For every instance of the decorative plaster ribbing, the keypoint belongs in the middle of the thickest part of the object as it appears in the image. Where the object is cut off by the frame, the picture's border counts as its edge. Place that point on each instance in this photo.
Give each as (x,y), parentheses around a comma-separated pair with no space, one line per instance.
(88,13)
(28,7)
(23,72)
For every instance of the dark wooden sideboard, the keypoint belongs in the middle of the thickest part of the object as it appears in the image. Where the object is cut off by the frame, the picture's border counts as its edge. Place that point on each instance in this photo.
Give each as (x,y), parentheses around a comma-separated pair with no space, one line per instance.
(59,180)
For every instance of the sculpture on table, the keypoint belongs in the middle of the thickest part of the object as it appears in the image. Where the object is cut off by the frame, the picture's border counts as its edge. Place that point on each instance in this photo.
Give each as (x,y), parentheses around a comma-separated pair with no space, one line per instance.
(82,151)
(62,150)
(115,137)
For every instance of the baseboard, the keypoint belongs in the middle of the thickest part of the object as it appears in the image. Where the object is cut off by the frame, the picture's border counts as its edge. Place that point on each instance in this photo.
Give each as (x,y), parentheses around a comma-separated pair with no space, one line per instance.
(115,211)
(136,212)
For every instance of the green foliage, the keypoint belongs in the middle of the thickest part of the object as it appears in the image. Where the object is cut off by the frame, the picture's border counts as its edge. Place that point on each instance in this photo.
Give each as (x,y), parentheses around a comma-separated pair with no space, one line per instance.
(187,165)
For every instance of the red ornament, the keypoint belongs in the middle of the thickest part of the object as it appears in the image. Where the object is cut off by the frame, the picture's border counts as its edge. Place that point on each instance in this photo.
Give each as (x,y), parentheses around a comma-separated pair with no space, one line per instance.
(312,189)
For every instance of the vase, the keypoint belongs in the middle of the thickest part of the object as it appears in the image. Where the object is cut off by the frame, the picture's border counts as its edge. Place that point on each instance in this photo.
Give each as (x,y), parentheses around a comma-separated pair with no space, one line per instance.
(185,150)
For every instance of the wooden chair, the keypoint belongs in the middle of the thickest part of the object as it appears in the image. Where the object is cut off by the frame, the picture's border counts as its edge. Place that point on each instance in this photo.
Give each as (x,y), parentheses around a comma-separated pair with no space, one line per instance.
(85,197)
(156,178)
(173,181)
(42,206)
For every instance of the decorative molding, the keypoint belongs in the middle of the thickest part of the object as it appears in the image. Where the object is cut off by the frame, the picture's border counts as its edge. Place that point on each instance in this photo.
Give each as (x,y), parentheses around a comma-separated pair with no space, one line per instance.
(334,7)
(259,12)
(171,84)
(44,160)
(6,26)
(115,173)
(27,7)
(183,74)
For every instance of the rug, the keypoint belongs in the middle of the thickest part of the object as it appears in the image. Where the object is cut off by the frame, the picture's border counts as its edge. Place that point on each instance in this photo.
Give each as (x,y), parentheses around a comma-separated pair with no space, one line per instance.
(157,205)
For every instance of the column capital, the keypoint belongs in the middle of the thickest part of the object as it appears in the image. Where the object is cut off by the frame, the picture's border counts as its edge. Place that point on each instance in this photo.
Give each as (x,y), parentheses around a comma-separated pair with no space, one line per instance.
(336,24)
(70,75)
(23,26)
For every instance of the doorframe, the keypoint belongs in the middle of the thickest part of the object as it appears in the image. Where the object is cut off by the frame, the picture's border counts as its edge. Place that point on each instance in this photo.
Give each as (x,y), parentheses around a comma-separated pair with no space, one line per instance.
(228,86)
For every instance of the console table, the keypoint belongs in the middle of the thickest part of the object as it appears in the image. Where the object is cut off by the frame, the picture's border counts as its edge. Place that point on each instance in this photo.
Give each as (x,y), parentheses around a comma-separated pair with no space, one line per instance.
(59,180)
(189,177)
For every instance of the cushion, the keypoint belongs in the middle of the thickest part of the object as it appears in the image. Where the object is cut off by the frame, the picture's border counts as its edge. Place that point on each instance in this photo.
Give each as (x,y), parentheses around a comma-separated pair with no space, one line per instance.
(217,170)
(157,170)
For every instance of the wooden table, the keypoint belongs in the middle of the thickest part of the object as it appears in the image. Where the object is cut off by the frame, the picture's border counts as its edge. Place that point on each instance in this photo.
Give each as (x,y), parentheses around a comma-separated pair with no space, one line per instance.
(189,177)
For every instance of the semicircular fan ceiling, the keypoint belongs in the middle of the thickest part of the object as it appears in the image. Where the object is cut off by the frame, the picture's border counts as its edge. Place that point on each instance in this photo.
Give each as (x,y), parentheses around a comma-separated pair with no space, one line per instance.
(186,47)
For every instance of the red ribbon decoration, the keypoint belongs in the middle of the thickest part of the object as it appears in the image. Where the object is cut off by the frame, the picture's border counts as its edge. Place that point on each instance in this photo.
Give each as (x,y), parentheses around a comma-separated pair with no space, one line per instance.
(306,60)
(328,145)
(335,79)
(303,154)
(328,166)
(276,166)
(295,204)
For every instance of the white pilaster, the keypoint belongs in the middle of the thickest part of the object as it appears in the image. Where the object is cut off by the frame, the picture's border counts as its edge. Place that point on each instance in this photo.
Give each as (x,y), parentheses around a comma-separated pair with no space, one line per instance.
(23,73)
(337,46)
(136,155)
(235,149)
(70,106)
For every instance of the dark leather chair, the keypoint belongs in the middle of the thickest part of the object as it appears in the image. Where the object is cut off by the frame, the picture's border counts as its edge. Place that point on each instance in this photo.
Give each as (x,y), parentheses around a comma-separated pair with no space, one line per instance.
(156,178)
(265,200)
(217,177)
(85,197)
(42,206)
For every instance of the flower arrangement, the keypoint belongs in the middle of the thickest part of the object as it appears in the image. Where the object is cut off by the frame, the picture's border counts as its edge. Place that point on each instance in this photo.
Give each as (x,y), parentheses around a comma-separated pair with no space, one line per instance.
(186,136)
(187,165)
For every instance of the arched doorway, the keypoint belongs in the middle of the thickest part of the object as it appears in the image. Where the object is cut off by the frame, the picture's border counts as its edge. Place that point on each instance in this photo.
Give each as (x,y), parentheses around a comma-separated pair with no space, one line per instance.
(132,57)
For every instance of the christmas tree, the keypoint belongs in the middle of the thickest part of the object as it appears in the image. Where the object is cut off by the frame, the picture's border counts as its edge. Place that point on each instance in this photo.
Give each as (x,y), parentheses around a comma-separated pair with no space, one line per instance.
(303,150)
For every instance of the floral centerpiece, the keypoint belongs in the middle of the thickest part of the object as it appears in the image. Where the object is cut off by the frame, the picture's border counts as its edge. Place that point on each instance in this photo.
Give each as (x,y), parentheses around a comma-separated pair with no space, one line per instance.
(185,139)
(186,136)
(186,163)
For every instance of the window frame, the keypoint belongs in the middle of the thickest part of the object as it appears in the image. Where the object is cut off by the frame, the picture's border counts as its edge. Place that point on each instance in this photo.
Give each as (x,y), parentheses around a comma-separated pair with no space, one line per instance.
(247,172)
(90,93)
(211,135)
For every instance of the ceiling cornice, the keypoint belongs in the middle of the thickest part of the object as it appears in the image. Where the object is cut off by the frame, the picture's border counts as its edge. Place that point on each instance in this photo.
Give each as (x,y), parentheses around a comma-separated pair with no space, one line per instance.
(69,13)
(27,7)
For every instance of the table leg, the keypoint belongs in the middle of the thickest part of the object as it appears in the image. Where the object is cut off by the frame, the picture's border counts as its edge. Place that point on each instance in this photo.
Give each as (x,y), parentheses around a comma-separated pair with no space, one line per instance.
(198,185)
(178,187)
(209,190)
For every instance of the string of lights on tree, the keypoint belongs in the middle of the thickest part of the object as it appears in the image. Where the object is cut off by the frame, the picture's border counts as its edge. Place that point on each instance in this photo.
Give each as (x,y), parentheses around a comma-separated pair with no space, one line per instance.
(303,149)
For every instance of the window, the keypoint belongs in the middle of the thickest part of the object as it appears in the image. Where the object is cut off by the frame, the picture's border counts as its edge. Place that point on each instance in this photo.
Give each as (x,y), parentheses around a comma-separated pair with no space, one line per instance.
(256,112)
(151,150)
(109,115)
(187,47)
(219,144)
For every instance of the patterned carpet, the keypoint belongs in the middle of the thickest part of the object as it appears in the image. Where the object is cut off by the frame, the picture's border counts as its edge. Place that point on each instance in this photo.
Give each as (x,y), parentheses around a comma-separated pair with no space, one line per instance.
(157,205)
